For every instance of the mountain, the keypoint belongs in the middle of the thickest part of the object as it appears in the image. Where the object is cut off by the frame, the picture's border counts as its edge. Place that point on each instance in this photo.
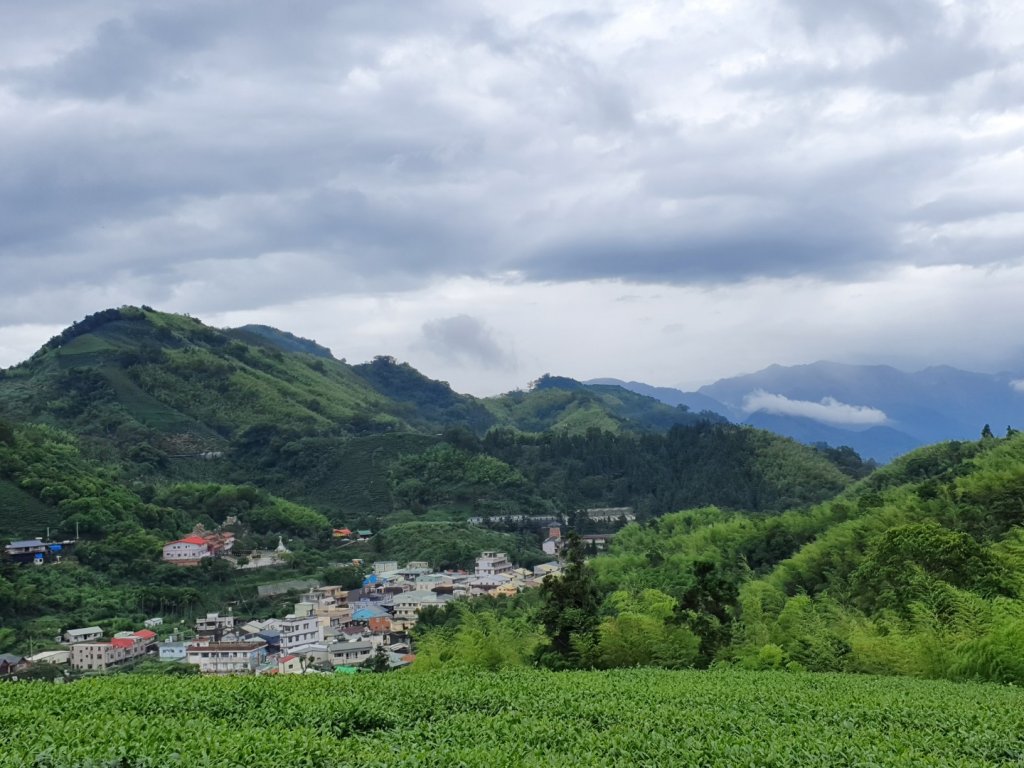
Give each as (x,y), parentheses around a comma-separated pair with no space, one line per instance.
(132,427)
(694,401)
(168,399)
(878,410)
(881,444)
(564,404)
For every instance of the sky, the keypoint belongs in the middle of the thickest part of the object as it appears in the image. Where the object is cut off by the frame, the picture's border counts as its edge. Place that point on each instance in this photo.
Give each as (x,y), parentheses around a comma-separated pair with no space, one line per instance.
(671,192)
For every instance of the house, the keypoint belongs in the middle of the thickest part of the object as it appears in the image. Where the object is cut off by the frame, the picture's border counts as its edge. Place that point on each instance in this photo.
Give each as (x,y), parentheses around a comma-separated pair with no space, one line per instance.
(146,638)
(493,564)
(610,514)
(385,567)
(201,544)
(290,665)
(83,635)
(547,569)
(364,613)
(300,630)
(597,541)
(341,533)
(11,664)
(553,543)
(364,533)
(153,623)
(215,624)
(408,604)
(101,656)
(173,651)
(228,658)
(31,551)
(349,654)
(50,657)
(187,551)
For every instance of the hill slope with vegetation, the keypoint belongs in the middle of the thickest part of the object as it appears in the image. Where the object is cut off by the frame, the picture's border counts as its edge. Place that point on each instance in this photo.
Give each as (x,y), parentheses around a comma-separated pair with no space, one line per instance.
(133,426)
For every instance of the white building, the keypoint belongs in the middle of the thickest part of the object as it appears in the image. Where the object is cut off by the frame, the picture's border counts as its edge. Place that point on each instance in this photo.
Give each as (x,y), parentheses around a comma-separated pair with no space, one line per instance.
(228,658)
(407,605)
(385,567)
(83,635)
(189,549)
(343,654)
(493,564)
(297,631)
(173,651)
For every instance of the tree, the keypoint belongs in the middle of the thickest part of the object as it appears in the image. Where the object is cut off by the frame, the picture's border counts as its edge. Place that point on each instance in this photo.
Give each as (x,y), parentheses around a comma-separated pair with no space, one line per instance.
(570,611)
(378,662)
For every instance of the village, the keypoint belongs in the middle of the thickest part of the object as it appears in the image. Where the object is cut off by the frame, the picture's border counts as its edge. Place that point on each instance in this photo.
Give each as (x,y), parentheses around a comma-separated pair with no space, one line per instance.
(330,630)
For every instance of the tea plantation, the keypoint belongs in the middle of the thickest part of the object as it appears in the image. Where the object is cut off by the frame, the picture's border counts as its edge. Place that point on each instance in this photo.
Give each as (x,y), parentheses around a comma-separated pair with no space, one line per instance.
(516,718)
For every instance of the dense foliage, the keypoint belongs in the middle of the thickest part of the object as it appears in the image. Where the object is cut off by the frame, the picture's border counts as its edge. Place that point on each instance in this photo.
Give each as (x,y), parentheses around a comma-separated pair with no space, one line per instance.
(516,718)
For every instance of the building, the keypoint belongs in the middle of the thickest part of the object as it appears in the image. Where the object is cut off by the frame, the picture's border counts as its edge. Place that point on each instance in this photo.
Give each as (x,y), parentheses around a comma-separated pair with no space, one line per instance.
(493,564)
(83,635)
(216,625)
(610,514)
(173,651)
(553,543)
(385,567)
(596,541)
(100,656)
(50,657)
(228,658)
(153,623)
(26,551)
(297,631)
(349,654)
(187,551)
(201,544)
(11,664)
(407,605)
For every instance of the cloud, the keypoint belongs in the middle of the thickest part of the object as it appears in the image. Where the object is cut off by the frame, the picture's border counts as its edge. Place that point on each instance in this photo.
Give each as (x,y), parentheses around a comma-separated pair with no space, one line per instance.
(1017,385)
(828,410)
(216,156)
(465,341)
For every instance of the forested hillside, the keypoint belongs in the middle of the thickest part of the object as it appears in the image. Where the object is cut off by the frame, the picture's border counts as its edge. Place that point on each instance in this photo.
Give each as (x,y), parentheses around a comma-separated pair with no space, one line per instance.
(918,569)
(133,426)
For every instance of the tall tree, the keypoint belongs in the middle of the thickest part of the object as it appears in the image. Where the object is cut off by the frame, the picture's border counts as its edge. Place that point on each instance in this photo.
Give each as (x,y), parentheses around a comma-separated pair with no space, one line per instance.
(570,612)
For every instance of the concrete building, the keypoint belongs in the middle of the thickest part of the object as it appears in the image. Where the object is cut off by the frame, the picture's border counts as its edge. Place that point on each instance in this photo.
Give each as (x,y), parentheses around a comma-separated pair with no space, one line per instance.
(297,631)
(173,651)
(83,635)
(228,658)
(493,564)
(214,624)
(189,550)
(101,656)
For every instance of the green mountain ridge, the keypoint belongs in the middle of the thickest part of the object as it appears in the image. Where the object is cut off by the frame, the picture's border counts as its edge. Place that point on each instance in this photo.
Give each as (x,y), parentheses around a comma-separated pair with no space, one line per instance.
(132,426)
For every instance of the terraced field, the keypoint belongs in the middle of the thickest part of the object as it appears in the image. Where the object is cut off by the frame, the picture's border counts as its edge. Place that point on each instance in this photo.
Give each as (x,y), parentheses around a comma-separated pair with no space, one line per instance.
(23,515)
(518,718)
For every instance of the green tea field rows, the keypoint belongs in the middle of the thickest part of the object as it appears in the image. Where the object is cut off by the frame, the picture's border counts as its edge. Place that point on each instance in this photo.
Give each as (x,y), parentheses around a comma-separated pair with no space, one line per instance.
(519,718)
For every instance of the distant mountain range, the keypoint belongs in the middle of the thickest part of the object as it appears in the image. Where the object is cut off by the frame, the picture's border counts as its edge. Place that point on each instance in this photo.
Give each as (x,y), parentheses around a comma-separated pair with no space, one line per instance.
(877,410)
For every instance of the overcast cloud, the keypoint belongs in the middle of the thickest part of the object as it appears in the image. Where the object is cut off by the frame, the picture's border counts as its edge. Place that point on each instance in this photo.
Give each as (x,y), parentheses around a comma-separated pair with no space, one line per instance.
(473,185)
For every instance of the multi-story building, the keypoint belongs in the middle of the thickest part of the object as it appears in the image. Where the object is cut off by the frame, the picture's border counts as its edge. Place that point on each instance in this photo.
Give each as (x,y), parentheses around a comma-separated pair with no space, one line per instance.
(215,624)
(191,549)
(297,631)
(228,658)
(493,564)
(99,656)
(104,654)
